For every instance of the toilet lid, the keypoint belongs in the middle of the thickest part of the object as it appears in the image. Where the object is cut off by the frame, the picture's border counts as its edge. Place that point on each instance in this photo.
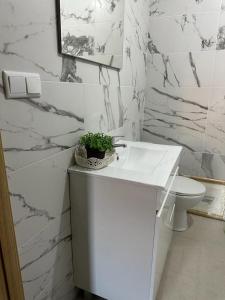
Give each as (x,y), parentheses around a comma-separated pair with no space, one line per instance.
(186,186)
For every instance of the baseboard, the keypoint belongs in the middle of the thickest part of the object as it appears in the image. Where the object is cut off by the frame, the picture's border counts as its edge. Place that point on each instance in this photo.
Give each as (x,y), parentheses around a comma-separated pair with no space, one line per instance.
(205,215)
(209,180)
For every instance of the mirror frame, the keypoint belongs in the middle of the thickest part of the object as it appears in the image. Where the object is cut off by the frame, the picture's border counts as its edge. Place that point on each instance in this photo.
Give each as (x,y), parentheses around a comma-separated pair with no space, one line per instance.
(59,41)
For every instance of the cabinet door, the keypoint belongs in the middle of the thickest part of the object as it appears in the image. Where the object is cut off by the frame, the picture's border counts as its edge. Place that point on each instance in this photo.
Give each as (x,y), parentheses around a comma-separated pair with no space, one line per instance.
(113,231)
(163,235)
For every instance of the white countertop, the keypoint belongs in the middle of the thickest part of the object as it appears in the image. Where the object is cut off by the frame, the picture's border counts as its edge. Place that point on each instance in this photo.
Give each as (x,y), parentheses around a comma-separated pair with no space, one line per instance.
(141,162)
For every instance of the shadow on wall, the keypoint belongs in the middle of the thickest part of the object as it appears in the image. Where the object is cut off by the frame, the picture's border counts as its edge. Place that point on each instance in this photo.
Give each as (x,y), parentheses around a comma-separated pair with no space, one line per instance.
(62,269)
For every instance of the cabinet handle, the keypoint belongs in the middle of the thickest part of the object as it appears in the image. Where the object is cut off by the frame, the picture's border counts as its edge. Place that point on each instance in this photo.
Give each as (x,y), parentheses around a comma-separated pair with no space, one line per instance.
(171,216)
(167,193)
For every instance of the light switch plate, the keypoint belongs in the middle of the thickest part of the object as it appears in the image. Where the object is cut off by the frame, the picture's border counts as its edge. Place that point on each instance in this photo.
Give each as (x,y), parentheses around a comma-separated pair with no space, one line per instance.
(21,84)
(33,85)
(17,85)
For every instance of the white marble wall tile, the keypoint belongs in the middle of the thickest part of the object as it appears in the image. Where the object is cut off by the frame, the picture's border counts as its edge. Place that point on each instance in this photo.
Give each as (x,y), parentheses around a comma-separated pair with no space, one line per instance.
(30,127)
(177,7)
(223,6)
(213,165)
(135,67)
(44,241)
(90,73)
(136,23)
(179,32)
(215,133)
(82,71)
(219,70)
(46,260)
(158,122)
(185,33)
(133,101)
(217,101)
(202,164)
(216,122)
(135,44)
(191,164)
(103,107)
(39,194)
(221,29)
(190,109)
(46,277)
(181,69)
(107,76)
(178,115)
(28,40)
(154,137)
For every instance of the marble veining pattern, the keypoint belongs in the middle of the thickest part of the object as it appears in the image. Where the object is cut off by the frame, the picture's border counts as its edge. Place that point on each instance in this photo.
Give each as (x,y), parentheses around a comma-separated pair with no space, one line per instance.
(189,32)
(185,61)
(28,138)
(39,134)
(175,118)
(178,69)
(184,105)
(221,29)
(42,225)
(164,8)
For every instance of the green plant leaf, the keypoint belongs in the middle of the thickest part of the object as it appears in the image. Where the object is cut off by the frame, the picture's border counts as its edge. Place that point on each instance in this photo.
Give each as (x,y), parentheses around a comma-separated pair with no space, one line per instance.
(99,141)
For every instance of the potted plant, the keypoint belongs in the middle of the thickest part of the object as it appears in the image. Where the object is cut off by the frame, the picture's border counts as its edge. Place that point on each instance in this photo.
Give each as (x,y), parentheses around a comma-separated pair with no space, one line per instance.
(96,144)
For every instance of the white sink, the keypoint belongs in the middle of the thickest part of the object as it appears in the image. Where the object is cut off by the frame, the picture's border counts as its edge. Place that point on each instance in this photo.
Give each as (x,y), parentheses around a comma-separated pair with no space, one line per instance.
(140,162)
(139,159)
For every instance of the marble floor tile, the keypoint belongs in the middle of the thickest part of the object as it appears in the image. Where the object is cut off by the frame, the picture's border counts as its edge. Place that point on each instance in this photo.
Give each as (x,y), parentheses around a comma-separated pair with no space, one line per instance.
(177,287)
(195,269)
(205,231)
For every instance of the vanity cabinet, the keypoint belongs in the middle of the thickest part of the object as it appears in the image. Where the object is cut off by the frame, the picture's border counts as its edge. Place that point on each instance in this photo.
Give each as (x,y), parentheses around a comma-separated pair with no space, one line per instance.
(122,220)
(120,235)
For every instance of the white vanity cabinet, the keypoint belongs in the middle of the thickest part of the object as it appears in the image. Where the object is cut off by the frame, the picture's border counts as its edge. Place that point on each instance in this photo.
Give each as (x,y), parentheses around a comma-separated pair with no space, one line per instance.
(163,234)
(120,233)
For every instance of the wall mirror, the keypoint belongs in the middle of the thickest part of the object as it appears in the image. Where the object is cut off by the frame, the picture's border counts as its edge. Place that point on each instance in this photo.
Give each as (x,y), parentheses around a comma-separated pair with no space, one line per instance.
(92,30)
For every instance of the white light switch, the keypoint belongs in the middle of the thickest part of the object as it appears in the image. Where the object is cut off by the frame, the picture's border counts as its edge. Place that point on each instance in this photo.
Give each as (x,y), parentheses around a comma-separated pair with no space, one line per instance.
(17,85)
(33,85)
(21,84)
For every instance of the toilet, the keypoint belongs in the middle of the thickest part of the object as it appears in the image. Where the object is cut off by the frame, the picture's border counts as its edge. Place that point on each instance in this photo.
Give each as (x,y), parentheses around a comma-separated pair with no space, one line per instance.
(189,193)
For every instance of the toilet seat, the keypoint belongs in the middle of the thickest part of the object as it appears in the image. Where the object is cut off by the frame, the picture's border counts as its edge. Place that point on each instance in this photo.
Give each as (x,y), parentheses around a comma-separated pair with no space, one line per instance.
(184,186)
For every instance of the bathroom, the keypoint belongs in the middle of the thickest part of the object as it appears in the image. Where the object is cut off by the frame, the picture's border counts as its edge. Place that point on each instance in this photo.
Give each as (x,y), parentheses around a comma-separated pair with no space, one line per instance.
(167,87)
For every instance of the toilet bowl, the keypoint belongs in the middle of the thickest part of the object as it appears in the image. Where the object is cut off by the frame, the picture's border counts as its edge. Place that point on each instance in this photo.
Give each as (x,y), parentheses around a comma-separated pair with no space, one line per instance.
(189,193)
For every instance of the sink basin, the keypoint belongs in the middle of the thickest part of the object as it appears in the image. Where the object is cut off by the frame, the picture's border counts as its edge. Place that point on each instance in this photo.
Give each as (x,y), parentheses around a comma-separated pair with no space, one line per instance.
(141,163)
(139,159)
